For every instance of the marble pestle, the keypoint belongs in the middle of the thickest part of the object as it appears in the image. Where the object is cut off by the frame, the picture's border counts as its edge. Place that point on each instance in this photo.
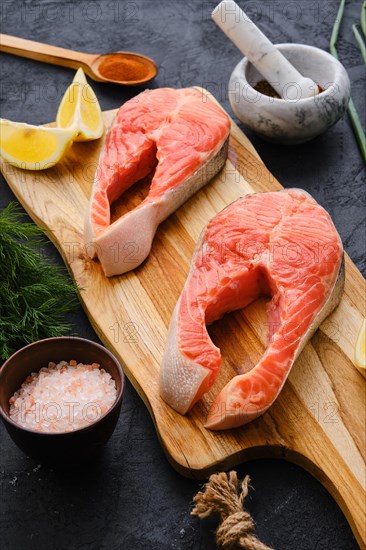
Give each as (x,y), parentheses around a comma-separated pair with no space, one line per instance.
(267,59)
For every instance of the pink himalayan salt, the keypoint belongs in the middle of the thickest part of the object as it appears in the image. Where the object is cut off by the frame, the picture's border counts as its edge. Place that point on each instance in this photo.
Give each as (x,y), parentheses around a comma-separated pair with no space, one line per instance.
(63,397)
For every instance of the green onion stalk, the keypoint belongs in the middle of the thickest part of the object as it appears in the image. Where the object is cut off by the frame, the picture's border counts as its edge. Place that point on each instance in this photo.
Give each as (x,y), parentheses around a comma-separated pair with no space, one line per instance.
(351,109)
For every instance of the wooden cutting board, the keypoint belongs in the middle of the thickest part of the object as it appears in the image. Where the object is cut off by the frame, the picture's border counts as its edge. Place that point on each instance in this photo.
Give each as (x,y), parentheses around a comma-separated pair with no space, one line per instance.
(318,421)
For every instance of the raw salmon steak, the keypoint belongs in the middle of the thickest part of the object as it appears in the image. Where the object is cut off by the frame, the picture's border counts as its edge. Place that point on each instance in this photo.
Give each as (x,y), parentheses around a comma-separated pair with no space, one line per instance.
(281,244)
(179,134)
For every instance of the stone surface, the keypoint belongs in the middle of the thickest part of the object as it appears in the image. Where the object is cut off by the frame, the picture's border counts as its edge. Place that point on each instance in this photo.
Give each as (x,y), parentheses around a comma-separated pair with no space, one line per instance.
(131,499)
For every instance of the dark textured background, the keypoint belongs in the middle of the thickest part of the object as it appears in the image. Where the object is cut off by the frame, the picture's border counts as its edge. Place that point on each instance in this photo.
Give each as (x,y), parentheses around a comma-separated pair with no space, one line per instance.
(131,498)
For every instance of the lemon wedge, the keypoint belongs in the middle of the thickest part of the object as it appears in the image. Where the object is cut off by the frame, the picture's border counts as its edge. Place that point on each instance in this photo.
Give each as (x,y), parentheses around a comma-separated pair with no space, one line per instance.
(33,147)
(79,109)
(360,349)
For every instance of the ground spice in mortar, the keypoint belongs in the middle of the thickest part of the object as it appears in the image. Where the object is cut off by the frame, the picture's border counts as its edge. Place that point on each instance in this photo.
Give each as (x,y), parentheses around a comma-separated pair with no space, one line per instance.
(265,88)
(121,68)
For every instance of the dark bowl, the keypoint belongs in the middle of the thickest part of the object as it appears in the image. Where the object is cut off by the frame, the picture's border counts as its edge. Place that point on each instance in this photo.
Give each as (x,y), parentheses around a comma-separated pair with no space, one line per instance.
(63,449)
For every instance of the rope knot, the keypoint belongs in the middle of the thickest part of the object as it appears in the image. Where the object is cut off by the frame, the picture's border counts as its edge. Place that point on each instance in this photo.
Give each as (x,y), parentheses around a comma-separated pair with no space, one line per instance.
(233,528)
(221,496)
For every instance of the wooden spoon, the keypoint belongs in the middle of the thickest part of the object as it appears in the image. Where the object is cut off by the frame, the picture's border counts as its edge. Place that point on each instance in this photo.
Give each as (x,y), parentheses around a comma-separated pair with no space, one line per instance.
(70,58)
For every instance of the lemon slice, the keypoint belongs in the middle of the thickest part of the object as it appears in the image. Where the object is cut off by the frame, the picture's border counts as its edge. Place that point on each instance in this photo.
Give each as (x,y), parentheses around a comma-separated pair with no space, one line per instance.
(360,349)
(79,109)
(33,147)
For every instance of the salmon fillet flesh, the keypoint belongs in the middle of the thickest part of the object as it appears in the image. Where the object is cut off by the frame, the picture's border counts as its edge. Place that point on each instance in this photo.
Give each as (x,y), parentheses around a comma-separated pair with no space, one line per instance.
(181,135)
(281,244)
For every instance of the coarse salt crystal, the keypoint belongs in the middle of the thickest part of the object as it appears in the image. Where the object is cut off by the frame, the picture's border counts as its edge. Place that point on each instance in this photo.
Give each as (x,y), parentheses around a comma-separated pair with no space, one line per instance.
(63,397)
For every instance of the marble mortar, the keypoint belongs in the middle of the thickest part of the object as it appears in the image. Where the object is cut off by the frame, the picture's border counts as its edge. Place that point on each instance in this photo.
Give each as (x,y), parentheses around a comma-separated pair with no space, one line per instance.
(297,120)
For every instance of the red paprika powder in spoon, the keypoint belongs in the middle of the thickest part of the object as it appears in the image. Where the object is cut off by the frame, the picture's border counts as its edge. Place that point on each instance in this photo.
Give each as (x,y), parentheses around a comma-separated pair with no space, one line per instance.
(119,67)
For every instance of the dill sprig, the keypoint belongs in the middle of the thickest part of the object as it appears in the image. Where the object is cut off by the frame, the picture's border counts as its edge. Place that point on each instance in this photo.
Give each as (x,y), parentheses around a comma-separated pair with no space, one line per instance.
(35,294)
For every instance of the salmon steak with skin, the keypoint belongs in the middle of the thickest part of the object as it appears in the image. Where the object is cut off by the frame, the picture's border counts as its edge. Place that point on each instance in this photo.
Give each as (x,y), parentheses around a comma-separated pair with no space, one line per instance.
(281,244)
(181,137)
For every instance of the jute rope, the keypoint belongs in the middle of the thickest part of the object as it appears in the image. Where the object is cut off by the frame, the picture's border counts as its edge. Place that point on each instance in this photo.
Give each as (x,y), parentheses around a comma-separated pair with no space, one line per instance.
(221,496)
